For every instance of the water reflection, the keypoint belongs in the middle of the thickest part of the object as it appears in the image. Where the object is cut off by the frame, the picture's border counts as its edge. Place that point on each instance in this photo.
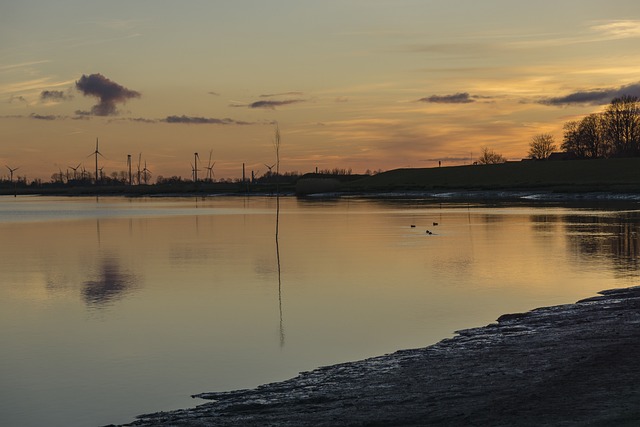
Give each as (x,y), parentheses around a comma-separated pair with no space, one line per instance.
(279,269)
(360,282)
(110,284)
(605,238)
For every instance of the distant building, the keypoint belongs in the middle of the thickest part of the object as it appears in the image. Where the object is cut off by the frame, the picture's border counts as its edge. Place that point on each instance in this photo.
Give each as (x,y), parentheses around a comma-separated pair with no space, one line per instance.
(562,155)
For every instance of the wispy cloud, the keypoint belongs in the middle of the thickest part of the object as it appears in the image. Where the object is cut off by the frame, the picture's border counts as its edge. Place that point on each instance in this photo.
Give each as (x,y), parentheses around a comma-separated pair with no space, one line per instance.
(619,29)
(19,98)
(273,104)
(456,98)
(32,85)
(107,91)
(203,120)
(271,95)
(459,48)
(598,96)
(269,104)
(22,65)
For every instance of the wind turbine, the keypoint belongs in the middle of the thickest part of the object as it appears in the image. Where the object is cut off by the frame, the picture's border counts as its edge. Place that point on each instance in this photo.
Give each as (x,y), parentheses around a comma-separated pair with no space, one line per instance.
(269,173)
(210,167)
(96,153)
(75,171)
(11,171)
(146,173)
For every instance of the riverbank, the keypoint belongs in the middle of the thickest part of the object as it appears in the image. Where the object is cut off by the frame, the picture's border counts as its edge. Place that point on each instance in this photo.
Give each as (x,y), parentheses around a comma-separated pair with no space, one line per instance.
(566,365)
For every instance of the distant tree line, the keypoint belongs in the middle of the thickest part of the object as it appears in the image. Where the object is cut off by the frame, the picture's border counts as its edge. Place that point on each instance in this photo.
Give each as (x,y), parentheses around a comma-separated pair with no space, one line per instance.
(613,133)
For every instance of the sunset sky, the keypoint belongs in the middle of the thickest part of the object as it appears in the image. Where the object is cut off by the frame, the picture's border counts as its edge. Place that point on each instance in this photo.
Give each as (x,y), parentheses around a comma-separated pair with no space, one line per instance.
(360,84)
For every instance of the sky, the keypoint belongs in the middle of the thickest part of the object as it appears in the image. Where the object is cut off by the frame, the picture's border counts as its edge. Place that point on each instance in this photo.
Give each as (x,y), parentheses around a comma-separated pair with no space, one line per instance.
(352,84)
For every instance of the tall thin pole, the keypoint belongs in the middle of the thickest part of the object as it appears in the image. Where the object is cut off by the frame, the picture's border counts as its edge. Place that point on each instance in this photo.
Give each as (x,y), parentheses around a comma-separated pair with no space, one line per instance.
(129,166)
(276,144)
(195,169)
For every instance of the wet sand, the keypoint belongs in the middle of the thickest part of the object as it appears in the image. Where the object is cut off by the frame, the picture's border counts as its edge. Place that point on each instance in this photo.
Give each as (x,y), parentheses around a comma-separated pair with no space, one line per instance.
(567,365)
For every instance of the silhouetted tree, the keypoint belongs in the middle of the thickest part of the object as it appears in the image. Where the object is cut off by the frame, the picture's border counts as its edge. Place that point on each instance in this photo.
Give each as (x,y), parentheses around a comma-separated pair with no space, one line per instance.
(591,134)
(541,146)
(586,138)
(490,157)
(622,125)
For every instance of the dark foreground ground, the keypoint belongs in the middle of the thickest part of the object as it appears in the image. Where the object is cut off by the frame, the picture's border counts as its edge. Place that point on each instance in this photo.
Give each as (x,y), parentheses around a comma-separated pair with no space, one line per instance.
(569,365)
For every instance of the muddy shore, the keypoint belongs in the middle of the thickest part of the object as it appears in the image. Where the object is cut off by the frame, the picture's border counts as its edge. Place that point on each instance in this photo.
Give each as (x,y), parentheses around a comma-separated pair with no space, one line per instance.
(567,365)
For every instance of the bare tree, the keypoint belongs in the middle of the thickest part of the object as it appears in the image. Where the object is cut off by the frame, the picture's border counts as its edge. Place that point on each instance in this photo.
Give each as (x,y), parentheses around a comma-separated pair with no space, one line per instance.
(591,135)
(622,125)
(571,142)
(541,146)
(490,157)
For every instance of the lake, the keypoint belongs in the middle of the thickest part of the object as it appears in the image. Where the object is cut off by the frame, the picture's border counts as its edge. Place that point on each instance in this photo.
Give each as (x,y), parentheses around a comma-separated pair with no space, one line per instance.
(114,307)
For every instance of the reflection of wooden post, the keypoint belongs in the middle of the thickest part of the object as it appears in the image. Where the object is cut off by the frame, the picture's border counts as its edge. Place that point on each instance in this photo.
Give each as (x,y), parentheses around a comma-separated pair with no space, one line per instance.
(276,144)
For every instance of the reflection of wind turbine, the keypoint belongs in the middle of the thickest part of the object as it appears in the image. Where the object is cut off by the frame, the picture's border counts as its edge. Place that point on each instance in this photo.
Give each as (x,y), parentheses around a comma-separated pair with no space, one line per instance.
(11,171)
(210,167)
(96,154)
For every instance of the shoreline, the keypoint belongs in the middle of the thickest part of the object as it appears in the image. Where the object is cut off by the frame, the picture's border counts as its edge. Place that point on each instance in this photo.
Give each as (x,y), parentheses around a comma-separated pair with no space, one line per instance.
(571,364)
(450,195)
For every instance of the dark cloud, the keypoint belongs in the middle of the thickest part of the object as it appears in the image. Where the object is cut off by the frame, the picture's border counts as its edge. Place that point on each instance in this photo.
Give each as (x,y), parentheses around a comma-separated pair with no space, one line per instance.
(213,93)
(594,96)
(458,98)
(47,117)
(272,104)
(142,120)
(271,95)
(202,120)
(54,95)
(109,93)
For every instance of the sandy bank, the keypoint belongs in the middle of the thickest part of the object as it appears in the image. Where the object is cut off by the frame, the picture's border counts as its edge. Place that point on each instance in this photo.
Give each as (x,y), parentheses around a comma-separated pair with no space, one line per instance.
(573,364)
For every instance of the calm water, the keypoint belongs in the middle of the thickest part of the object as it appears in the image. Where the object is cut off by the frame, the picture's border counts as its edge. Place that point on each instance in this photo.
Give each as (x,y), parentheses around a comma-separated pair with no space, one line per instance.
(114,307)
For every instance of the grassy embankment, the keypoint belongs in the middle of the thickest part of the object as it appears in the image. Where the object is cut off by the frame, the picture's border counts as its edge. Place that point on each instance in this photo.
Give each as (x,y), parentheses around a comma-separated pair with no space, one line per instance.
(609,175)
(615,175)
